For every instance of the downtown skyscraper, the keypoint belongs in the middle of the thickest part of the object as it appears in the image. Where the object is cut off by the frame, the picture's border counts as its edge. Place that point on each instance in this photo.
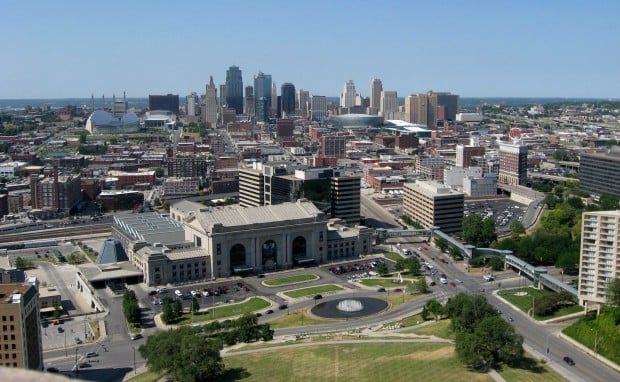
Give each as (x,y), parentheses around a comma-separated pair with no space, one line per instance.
(262,96)
(210,108)
(376,87)
(234,89)
(347,97)
(288,98)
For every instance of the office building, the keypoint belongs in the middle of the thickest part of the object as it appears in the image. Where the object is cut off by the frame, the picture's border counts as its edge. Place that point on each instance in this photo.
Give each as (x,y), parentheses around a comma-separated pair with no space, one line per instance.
(187,166)
(210,113)
(600,256)
(234,89)
(249,101)
(262,96)
(345,196)
(274,99)
(287,98)
(303,98)
(464,155)
(56,192)
(419,109)
(432,204)
(600,173)
(251,187)
(347,97)
(20,329)
(376,87)
(319,108)
(168,102)
(441,107)
(512,164)
(190,104)
(388,105)
(333,146)
(285,129)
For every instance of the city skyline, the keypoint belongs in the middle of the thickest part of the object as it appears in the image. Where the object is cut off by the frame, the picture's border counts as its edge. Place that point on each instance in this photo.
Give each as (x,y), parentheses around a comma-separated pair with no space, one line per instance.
(489,49)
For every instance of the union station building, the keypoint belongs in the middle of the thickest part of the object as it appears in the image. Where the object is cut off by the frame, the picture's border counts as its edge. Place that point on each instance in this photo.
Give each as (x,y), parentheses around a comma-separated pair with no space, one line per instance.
(228,240)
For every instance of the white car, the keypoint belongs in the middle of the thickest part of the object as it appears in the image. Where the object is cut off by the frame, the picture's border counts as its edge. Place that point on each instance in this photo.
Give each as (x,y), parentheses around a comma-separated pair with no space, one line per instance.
(372,273)
(178,293)
(443,281)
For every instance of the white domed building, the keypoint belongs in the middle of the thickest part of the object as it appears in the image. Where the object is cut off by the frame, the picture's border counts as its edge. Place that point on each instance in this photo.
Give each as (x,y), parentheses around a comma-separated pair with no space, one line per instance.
(103,122)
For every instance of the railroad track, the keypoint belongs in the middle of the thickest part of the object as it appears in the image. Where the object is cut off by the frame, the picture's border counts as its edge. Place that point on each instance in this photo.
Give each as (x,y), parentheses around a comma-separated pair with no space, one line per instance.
(56,233)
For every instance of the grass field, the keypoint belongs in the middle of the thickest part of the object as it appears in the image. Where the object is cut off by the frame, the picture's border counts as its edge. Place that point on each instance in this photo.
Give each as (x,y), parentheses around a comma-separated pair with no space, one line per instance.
(530,371)
(439,329)
(290,280)
(352,362)
(296,318)
(297,293)
(600,334)
(393,256)
(148,376)
(224,311)
(525,302)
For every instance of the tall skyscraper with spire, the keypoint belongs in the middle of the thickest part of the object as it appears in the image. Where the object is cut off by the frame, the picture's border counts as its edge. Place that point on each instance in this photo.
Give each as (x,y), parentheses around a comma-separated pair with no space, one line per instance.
(210,113)
(262,96)
(234,89)
(376,87)
(347,97)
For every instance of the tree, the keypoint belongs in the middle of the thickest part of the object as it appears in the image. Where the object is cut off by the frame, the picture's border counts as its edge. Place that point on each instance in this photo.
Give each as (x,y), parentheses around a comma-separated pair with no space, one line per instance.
(21,263)
(455,252)
(411,265)
(382,269)
(421,285)
(551,201)
(167,315)
(479,232)
(195,306)
(441,243)
(492,341)
(57,311)
(517,228)
(613,292)
(159,172)
(434,308)
(187,356)
(177,308)
(466,311)
(496,263)
(609,202)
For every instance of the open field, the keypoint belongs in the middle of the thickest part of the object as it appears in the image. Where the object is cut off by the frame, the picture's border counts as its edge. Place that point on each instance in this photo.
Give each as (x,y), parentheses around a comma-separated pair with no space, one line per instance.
(525,302)
(297,293)
(354,362)
(439,329)
(392,256)
(225,311)
(280,281)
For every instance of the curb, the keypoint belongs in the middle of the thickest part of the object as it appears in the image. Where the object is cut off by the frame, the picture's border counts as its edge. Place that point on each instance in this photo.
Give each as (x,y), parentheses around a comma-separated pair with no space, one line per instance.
(589,351)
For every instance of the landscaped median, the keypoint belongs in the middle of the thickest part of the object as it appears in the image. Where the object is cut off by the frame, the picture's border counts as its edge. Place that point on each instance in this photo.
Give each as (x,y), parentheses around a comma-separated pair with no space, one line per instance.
(281,281)
(525,298)
(310,291)
(223,311)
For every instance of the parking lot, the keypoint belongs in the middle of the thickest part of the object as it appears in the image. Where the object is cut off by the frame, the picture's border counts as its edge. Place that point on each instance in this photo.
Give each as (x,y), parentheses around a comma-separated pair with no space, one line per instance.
(503,211)
(65,332)
(358,269)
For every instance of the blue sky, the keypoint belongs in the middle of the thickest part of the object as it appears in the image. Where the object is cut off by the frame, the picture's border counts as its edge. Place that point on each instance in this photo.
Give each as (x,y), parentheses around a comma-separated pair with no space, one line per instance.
(484,48)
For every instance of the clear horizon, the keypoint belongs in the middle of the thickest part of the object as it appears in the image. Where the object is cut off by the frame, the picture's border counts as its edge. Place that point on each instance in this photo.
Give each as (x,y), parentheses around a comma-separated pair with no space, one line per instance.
(489,49)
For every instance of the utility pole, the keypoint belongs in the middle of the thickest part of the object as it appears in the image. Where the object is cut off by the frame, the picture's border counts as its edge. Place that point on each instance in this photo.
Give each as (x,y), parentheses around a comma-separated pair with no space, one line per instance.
(134,360)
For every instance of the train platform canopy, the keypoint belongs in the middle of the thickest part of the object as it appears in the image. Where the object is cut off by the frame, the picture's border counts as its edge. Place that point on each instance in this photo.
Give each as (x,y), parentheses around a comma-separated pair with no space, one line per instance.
(109,272)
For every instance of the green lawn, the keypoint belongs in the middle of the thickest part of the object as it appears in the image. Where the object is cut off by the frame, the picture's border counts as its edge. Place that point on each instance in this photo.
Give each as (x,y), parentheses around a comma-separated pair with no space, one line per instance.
(530,370)
(352,362)
(439,329)
(600,334)
(296,318)
(289,280)
(224,311)
(148,376)
(393,256)
(386,283)
(297,293)
(525,302)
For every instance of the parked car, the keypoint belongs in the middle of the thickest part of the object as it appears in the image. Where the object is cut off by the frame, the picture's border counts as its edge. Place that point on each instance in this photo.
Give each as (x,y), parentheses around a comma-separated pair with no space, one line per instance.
(52,370)
(569,360)
(136,336)
(162,290)
(152,292)
(77,340)
(60,329)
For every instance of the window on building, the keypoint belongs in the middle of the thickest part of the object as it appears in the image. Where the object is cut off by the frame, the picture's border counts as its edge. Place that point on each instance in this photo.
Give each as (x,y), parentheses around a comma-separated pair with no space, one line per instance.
(3,318)
(13,347)
(198,241)
(174,267)
(11,318)
(321,236)
(12,327)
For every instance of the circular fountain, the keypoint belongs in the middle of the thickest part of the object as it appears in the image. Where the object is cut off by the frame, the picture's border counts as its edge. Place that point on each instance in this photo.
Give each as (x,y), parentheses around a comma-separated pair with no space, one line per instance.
(346,308)
(350,305)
